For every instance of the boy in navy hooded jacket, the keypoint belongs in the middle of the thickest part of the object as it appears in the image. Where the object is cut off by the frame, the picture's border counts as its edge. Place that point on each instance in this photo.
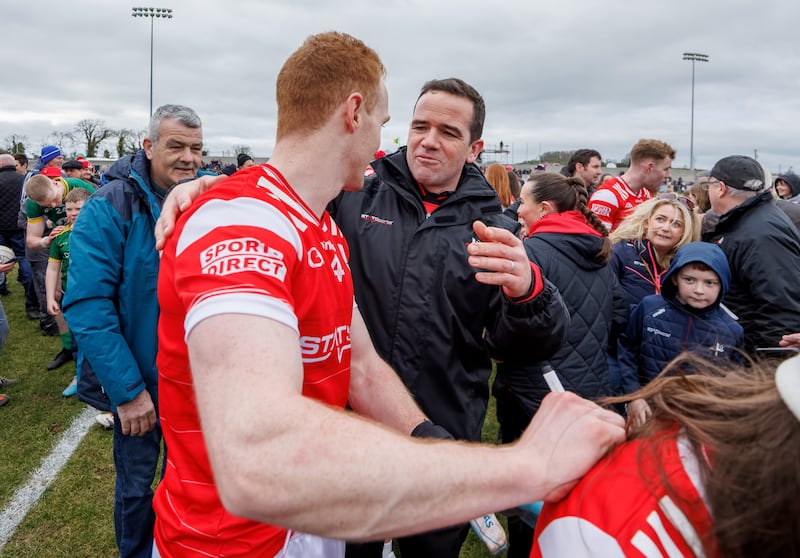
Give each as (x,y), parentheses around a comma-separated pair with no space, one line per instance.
(686,316)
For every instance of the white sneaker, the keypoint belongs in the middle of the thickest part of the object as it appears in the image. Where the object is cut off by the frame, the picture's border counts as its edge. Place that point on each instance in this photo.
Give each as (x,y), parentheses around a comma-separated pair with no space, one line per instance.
(106,420)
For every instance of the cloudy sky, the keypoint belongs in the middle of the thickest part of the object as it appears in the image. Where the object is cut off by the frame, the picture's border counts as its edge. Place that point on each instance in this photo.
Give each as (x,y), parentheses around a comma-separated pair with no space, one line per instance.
(555,75)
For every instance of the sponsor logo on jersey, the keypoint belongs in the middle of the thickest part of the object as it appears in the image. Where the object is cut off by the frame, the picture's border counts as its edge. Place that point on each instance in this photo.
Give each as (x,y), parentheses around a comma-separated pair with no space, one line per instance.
(243,254)
(601,210)
(373,219)
(319,349)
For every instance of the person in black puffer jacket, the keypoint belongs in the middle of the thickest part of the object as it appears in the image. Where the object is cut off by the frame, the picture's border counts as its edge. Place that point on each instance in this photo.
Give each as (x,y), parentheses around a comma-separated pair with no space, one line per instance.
(571,247)
(763,251)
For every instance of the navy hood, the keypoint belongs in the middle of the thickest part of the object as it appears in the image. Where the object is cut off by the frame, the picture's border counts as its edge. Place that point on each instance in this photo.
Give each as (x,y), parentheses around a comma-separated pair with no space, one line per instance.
(703,252)
(792,180)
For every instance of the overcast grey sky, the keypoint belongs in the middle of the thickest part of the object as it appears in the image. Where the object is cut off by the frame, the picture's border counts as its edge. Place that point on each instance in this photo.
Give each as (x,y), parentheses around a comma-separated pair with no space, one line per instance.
(555,75)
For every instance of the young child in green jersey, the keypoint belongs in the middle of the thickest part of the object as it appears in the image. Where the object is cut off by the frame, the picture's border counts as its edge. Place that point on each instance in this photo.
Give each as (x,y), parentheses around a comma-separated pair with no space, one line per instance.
(57,266)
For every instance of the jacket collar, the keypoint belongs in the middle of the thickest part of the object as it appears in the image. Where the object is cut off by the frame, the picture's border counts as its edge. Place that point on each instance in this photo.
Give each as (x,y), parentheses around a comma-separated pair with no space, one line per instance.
(393,169)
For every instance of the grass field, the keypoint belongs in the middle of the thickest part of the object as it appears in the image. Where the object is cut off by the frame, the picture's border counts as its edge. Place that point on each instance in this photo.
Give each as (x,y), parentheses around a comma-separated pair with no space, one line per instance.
(74,517)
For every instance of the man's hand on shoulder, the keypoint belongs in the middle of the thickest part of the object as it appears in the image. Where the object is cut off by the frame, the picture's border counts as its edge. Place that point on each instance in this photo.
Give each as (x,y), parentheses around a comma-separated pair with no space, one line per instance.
(566,437)
(180,198)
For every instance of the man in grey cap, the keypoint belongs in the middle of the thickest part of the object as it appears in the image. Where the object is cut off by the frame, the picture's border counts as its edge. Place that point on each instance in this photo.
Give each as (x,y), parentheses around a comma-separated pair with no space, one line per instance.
(763,250)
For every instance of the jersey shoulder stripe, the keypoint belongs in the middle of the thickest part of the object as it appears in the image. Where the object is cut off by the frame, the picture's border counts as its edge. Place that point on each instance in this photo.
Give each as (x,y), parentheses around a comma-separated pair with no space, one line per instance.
(245,212)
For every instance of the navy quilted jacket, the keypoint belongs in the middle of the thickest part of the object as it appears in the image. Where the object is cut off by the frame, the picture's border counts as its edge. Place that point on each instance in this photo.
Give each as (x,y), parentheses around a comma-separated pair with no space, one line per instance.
(661,327)
(565,254)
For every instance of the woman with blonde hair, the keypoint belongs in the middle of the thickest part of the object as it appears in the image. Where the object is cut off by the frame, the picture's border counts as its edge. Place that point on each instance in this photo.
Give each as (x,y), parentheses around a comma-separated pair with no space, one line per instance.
(497,177)
(646,241)
(643,247)
(713,472)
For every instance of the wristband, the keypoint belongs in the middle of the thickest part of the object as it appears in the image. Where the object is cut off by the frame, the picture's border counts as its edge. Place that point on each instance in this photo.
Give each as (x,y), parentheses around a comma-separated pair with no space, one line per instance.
(426,429)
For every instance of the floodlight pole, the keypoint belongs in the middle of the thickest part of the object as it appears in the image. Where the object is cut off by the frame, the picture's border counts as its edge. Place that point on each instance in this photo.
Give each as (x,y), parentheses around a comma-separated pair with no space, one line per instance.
(152,13)
(694,57)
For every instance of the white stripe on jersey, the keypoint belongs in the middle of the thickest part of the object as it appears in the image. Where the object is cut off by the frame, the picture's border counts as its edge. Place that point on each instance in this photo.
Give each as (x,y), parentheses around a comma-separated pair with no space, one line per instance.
(604,196)
(666,541)
(682,524)
(692,467)
(279,194)
(238,212)
(645,545)
(577,538)
(247,300)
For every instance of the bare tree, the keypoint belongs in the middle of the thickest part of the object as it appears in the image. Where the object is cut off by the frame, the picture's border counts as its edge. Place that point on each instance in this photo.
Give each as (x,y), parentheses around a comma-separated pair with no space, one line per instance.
(94,132)
(135,140)
(64,140)
(128,141)
(242,149)
(15,143)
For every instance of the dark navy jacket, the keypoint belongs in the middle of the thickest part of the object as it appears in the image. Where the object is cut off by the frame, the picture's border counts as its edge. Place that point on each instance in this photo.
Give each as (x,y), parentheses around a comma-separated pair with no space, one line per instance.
(634,263)
(427,315)
(564,247)
(661,327)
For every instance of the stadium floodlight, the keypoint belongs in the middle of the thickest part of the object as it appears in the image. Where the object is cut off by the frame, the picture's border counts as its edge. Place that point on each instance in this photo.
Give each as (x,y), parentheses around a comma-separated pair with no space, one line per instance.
(693,57)
(152,13)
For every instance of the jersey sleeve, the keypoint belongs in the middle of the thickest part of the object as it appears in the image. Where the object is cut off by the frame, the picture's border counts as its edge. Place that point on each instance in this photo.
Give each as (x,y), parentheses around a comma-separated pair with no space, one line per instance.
(34,211)
(605,205)
(244,268)
(55,252)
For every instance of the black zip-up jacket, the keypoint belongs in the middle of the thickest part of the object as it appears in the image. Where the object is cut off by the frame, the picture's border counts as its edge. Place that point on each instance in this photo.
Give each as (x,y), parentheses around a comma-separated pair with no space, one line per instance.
(763,251)
(427,315)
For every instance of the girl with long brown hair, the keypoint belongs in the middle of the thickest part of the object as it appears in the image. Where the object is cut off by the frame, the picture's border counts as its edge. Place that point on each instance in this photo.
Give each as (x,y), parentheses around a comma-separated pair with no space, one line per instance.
(713,472)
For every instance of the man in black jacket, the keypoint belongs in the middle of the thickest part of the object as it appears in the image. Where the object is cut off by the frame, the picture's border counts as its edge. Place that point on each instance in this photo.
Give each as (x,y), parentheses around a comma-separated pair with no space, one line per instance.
(413,233)
(11,234)
(763,250)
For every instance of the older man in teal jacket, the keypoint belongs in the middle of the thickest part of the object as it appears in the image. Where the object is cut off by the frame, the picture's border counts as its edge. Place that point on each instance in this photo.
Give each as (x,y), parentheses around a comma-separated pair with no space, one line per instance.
(112,308)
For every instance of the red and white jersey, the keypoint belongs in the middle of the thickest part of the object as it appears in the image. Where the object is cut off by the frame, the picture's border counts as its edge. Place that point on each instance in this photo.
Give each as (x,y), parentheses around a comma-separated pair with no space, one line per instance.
(614,200)
(624,508)
(248,246)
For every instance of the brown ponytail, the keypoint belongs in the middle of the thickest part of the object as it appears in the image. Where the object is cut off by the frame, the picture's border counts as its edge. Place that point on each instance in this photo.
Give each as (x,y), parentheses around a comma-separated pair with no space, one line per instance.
(582,205)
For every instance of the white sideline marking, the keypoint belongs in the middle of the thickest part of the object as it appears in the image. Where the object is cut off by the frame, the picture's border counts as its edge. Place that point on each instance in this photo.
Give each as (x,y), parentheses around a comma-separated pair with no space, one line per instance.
(26,496)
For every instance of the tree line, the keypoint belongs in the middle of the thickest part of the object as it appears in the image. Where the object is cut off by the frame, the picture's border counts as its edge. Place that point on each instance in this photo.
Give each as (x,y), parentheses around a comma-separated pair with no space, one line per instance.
(90,137)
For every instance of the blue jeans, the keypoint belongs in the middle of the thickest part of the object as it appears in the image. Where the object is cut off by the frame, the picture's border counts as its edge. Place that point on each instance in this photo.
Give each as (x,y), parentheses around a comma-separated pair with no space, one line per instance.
(16,241)
(136,461)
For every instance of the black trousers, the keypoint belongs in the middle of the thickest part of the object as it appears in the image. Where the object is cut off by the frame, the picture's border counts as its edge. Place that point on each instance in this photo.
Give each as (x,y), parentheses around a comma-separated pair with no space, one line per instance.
(444,543)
